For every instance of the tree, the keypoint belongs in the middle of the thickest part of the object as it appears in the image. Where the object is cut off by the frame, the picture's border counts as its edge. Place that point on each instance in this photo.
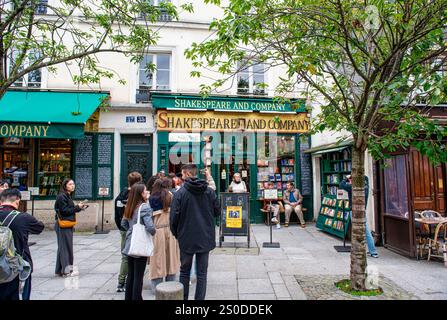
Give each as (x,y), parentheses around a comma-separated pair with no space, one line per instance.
(371,61)
(35,34)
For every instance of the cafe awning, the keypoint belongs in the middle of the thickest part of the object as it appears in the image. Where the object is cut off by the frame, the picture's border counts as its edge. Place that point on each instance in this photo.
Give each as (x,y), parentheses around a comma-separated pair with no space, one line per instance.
(47,114)
(331,147)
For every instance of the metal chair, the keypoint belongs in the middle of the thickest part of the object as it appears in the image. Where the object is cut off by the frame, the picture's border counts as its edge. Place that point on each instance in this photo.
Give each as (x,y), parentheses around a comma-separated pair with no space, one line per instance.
(437,247)
(421,236)
(430,214)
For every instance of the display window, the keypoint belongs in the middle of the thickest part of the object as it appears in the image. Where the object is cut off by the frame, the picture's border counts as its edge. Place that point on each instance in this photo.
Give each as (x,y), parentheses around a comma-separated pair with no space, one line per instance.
(16,162)
(276,164)
(396,186)
(54,163)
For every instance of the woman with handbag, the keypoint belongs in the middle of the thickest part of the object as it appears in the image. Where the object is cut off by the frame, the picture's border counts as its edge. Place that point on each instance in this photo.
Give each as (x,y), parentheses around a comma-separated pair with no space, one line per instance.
(140,228)
(65,221)
(165,263)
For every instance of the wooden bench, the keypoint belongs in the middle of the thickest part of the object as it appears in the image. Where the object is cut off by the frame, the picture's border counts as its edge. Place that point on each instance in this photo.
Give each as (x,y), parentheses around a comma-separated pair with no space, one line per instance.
(266,214)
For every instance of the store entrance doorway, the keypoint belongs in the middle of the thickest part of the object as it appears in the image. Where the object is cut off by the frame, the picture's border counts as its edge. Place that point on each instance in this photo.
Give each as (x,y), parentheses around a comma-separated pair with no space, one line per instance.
(136,156)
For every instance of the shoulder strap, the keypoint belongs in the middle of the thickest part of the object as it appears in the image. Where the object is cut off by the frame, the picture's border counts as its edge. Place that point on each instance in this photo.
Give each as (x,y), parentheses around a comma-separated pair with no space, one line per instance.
(13,212)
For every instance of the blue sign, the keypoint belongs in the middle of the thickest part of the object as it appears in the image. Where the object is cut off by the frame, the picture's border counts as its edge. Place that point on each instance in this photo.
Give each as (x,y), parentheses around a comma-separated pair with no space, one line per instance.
(130,119)
(141,119)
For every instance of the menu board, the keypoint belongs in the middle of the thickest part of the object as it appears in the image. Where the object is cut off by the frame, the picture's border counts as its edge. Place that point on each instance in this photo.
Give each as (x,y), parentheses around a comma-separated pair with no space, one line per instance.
(84,150)
(235,213)
(84,183)
(306,168)
(105,148)
(93,165)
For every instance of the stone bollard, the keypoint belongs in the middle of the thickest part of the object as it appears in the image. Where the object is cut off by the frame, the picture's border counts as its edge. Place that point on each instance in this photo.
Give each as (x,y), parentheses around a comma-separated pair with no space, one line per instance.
(170,290)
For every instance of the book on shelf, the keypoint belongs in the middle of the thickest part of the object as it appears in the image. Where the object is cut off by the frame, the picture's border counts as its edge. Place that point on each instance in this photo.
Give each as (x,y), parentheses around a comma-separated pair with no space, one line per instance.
(279,185)
(266,185)
(279,193)
(272,177)
(260,185)
(278,177)
(260,193)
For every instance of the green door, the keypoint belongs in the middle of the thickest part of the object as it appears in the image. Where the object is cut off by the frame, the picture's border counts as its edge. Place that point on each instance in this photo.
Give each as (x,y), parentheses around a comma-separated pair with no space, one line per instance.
(136,155)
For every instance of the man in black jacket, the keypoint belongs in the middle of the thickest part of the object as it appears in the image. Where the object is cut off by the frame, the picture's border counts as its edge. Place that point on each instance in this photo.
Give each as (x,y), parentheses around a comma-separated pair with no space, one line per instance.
(120,205)
(193,211)
(22,225)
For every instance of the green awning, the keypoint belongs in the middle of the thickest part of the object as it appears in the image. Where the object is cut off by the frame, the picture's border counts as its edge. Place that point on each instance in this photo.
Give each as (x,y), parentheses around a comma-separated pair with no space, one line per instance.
(332,147)
(47,114)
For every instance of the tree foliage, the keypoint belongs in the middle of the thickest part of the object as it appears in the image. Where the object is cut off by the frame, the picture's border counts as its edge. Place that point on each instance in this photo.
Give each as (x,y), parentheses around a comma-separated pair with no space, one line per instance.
(36,34)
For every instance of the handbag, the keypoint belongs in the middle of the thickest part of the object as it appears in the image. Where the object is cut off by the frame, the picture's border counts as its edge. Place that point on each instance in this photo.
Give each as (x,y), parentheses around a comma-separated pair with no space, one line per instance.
(65,224)
(141,244)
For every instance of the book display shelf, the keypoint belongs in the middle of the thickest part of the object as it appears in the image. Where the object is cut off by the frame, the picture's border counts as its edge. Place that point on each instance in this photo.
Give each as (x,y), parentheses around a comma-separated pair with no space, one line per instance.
(334,215)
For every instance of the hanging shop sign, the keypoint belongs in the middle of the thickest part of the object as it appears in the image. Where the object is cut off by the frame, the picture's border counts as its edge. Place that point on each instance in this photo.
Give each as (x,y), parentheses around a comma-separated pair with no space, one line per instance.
(226,103)
(215,121)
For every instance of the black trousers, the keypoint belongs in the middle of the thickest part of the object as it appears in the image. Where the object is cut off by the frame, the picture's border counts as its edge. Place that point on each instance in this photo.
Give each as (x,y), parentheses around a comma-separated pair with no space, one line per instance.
(10,290)
(202,271)
(64,258)
(134,282)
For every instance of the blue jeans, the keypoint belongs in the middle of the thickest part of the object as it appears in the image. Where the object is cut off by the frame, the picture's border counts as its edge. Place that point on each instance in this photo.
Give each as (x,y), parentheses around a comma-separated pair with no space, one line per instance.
(26,294)
(369,237)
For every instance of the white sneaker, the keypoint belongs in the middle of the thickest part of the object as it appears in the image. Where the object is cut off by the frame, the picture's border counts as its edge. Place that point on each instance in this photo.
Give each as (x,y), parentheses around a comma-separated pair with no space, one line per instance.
(278,226)
(274,220)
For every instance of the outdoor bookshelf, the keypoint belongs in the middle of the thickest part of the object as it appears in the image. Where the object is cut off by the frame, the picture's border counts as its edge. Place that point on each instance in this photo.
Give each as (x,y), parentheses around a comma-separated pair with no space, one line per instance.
(331,217)
(335,167)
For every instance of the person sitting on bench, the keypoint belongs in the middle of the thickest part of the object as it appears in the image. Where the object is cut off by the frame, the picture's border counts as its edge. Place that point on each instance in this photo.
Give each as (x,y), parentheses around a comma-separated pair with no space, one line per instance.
(293,201)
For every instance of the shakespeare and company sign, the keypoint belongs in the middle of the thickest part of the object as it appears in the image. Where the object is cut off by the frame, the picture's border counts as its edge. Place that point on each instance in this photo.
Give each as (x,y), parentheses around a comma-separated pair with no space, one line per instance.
(161,101)
(172,120)
(41,130)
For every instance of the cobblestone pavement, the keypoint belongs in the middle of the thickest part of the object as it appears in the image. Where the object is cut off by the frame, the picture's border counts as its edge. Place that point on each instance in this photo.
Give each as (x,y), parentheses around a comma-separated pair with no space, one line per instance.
(306,261)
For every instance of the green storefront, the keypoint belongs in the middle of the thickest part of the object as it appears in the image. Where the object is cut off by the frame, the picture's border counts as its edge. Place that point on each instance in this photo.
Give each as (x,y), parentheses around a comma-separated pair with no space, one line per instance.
(262,139)
(49,135)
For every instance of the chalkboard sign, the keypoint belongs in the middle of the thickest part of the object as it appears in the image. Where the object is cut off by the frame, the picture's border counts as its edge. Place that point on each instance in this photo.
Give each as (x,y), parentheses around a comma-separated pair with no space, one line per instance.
(84,183)
(306,168)
(235,215)
(93,165)
(84,150)
(104,149)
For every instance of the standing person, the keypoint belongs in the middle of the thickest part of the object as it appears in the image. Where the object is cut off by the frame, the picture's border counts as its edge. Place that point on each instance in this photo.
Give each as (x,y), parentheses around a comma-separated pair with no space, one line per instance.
(193,211)
(346,184)
(21,225)
(120,204)
(150,183)
(66,210)
(293,201)
(165,263)
(237,185)
(138,197)
(274,206)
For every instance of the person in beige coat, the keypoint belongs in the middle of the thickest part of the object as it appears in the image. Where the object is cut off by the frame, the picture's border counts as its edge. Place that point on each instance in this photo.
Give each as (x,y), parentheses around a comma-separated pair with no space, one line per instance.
(165,262)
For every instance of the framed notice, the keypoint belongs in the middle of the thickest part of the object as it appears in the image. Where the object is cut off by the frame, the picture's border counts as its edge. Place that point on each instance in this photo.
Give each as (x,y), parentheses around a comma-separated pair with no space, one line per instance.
(270,194)
(103,192)
(235,215)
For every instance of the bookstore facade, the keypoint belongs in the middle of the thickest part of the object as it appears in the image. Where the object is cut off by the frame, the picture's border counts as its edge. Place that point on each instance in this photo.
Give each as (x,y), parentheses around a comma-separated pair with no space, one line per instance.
(261,139)
(43,140)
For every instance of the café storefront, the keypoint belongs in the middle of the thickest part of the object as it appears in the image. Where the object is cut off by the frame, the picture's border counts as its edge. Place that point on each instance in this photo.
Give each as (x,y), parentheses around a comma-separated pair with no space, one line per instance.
(46,136)
(260,138)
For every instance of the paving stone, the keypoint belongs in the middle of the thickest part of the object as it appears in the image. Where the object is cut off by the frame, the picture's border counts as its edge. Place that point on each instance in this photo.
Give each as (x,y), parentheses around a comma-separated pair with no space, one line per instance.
(276,278)
(254,286)
(75,294)
(281,291)
(257,297)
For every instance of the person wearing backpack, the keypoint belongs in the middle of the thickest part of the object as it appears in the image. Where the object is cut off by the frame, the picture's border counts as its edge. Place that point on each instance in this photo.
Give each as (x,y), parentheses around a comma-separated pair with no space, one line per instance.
(120,205)
(137,212)
(65,221)
(21,225)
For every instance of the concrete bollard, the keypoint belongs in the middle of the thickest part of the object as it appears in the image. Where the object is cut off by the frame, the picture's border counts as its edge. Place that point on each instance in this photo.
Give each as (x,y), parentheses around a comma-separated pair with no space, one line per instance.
(170,290)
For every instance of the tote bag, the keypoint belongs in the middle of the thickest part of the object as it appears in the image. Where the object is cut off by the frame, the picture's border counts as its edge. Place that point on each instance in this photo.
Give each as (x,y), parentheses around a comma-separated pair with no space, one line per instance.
(141,244)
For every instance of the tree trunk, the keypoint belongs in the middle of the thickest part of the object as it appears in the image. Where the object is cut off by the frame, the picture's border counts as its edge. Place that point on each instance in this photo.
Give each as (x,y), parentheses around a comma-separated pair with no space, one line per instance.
(358,241)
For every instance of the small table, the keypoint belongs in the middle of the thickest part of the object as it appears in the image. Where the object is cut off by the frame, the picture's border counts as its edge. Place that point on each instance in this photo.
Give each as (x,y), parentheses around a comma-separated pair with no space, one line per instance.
(430,222)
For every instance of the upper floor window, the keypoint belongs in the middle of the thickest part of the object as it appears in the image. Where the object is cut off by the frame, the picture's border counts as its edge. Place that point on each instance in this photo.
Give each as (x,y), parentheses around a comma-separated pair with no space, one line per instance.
(32,79)
(154,75)
(250,79)
(164,15)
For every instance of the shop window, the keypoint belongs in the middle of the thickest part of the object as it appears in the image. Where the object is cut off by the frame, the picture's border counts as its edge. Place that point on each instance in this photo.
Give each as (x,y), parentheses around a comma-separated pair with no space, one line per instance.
(15,162)
(250,79)
(396,186)
(54,163)
(276,163)
(154,75)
